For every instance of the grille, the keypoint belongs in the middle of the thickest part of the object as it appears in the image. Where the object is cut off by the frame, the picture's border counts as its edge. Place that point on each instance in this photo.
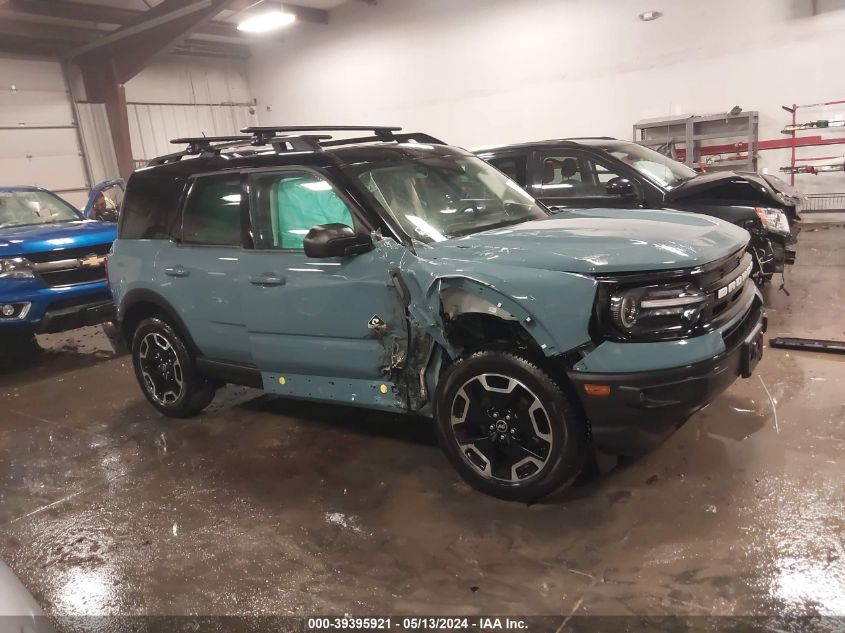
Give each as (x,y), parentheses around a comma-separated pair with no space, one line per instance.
(74,276)
(65,267)
(69,253)
(719,277)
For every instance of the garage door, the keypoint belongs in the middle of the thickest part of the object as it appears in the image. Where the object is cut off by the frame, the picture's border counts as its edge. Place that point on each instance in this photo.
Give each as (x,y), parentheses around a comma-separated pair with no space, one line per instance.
(38,139)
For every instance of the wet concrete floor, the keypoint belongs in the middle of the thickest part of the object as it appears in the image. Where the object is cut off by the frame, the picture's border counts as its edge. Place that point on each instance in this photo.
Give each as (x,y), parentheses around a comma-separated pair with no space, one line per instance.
(267,506)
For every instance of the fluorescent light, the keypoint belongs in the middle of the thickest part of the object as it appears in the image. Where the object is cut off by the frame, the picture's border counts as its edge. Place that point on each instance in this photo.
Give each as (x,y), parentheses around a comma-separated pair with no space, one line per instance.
(269,21)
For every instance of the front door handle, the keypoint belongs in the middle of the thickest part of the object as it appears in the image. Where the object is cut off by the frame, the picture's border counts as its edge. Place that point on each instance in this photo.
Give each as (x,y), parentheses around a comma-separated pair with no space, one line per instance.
(176,271)
(267,279)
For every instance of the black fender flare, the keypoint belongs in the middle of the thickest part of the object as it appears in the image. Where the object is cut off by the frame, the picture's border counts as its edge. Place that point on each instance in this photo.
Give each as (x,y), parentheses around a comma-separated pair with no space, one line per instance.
(149,297)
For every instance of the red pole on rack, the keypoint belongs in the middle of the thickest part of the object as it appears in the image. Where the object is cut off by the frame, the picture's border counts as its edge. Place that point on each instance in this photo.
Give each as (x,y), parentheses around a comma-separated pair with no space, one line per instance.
(792,162)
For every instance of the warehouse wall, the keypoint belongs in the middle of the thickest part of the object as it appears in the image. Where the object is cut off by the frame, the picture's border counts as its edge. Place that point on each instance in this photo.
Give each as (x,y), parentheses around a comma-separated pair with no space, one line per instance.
(496,71)
(176,96)
(38,142)
(181,97)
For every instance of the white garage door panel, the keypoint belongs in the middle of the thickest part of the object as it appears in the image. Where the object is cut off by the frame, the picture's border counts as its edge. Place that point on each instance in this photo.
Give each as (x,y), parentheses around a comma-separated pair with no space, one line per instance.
(34,108)
(50,172)
(22,143)
(27,74)
(34,92)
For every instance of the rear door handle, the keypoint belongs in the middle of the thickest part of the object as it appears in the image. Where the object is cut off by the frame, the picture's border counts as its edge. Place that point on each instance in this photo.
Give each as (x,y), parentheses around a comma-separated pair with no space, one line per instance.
(267,279)
(176,271)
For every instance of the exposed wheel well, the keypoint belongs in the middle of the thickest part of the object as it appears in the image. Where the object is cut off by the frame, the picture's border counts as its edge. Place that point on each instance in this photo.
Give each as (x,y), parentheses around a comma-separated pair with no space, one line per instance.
(473,331)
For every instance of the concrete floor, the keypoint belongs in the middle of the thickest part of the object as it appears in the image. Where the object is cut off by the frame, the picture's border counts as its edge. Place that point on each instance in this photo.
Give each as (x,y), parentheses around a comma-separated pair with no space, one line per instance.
(266,506)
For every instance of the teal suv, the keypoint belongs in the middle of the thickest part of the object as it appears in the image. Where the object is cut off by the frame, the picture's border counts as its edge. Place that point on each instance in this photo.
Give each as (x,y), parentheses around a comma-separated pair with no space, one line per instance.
(394,272)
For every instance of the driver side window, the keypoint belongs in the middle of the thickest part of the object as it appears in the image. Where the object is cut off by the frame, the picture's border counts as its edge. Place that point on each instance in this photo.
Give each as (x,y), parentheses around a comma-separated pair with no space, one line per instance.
(286,205)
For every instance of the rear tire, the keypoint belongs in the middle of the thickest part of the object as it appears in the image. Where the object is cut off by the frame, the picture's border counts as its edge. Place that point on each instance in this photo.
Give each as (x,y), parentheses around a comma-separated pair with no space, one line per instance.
(508,428)
(166,370)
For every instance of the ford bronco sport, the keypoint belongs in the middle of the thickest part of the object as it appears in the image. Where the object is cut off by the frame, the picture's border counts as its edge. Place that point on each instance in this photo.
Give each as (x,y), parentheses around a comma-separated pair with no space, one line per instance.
(394,272)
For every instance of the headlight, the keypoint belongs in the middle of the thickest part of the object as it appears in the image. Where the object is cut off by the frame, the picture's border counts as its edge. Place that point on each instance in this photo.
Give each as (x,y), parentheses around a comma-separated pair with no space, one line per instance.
(16,268)
(655,310)
(773,219)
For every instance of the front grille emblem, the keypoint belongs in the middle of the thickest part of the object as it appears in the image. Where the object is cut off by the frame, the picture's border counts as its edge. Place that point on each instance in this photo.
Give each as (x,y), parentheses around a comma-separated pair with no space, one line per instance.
(92,261)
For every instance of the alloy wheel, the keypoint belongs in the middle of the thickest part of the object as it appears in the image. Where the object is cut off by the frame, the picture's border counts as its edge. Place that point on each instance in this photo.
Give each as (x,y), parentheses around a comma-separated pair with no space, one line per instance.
(502,428)
(160,368)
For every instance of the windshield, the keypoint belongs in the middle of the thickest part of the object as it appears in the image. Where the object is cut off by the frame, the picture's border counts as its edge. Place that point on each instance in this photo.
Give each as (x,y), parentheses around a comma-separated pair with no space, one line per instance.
(661,169)
(440,197)
(22,208)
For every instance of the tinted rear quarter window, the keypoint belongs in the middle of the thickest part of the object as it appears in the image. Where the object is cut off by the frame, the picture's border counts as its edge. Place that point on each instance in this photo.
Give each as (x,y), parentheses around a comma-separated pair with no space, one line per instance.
(150,206)
(213,212)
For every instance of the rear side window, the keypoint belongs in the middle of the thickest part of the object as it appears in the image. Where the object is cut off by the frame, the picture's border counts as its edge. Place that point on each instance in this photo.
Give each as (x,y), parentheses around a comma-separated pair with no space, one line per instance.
(514,167)
(212,212)
(287,205)
(150,206)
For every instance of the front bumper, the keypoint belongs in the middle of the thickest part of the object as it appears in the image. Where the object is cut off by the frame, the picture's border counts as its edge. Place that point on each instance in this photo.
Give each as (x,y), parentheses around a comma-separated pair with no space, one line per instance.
(773,253)
(44,310)
(643,408)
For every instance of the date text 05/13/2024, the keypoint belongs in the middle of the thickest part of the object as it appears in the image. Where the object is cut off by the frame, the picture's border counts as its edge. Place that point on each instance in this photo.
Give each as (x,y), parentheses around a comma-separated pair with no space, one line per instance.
(417,623)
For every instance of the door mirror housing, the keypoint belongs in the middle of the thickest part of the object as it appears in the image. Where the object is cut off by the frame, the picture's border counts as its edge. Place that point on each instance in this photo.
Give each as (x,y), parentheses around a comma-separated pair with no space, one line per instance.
(336,240)
(621,187)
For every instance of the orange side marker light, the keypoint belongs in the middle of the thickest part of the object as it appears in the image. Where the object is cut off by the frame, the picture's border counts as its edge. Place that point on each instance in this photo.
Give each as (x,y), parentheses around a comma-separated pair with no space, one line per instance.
(597,390)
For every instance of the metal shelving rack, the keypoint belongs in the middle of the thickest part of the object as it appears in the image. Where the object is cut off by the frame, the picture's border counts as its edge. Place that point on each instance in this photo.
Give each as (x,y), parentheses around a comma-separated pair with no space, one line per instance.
(825,202)
(685,139)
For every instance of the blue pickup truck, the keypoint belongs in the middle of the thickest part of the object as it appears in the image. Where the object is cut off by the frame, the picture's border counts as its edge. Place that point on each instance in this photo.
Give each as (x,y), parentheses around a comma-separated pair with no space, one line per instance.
(52,264)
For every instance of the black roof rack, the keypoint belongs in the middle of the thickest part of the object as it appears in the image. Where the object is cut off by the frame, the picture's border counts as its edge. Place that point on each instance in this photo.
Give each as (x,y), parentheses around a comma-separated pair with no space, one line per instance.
(383,132)
(418,137)
(198,144)
(290,138)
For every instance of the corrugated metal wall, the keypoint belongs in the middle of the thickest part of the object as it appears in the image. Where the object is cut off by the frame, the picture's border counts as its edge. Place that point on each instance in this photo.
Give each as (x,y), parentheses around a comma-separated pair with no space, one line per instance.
(39,143)
(152,126)
(96,138)
(178,97)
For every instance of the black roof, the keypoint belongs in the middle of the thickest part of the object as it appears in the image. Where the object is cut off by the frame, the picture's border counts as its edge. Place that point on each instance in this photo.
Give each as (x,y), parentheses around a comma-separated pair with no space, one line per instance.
(589,141)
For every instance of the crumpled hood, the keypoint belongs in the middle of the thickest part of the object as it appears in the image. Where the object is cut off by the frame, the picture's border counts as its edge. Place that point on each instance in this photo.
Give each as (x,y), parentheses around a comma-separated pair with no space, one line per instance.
(600,241)
(723,185)
(41,238)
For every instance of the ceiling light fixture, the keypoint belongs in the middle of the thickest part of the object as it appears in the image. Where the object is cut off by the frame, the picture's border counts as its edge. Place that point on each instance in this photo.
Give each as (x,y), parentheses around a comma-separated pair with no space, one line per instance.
(648,16)
(267,21)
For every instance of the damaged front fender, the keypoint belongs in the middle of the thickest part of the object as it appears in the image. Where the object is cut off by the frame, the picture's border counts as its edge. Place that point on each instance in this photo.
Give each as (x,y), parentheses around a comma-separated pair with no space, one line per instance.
(554,308)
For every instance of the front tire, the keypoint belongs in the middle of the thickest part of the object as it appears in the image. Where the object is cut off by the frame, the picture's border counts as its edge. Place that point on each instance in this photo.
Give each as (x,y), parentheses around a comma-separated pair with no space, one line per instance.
(508,428)
(166,370)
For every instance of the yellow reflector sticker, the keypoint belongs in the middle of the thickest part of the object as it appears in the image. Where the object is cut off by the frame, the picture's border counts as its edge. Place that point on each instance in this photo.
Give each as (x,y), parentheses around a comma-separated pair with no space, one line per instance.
(383,389)
(281,380)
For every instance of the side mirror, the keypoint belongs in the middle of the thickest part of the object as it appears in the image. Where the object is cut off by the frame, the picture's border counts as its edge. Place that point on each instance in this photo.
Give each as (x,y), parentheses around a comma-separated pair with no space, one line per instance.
(621,187)
(336,240)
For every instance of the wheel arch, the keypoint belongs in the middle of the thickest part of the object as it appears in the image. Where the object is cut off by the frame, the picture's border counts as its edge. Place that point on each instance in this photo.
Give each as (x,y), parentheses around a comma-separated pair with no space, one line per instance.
(142,303)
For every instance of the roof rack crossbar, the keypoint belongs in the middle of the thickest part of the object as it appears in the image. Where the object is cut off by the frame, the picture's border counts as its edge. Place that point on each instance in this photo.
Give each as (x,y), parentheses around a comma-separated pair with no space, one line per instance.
(198,144)
(418,137)
(297,142)
(289,138)
(263,133)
